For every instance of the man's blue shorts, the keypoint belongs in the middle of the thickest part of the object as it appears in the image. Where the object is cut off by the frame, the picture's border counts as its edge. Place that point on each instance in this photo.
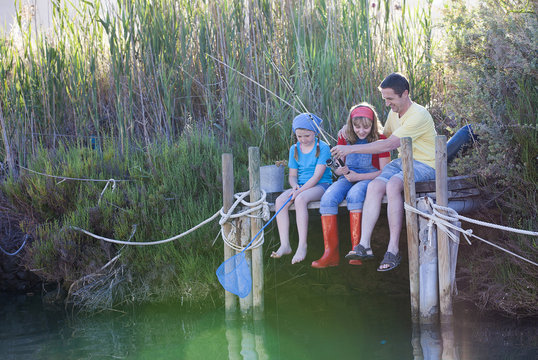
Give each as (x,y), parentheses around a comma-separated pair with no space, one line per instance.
(422,171)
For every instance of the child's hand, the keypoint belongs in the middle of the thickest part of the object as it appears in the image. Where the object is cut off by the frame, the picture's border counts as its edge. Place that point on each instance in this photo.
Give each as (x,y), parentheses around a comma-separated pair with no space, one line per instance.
(295,191)
(343,170)
(352,176)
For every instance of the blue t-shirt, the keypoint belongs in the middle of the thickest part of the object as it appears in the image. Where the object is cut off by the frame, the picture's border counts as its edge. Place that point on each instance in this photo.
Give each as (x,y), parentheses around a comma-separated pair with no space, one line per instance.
(306,164)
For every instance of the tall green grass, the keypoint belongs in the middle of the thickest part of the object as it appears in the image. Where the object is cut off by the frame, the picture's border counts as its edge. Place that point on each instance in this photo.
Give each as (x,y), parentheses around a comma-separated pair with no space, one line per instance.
(138,71)
(132,91)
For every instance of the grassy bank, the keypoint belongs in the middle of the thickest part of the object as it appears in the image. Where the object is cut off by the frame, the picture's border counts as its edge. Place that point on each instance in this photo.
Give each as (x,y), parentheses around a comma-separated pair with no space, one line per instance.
(154,93)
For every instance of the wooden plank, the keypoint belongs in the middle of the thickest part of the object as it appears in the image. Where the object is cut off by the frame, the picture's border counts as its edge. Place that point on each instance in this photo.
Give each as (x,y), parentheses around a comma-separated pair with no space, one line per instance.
(452,195)
(454,183)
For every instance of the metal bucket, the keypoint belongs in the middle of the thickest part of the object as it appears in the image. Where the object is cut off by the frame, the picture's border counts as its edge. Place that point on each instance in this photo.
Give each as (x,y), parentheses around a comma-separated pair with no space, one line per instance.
(272,178)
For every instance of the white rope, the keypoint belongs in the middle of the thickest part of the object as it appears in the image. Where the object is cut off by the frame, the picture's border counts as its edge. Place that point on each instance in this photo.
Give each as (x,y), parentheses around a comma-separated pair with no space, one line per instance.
(63,178)
(225,217)
(157,242)
(254,206)
(260,204)
(442,222)
(478,222)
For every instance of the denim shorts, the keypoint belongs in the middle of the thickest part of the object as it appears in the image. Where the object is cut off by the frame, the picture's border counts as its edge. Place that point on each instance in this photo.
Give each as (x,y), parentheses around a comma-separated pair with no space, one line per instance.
(422,171)
(325,186)
(353,192)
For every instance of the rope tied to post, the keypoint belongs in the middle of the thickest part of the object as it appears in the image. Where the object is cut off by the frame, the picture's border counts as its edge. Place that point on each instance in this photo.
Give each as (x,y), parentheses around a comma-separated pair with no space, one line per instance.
(443,222)
(260,205)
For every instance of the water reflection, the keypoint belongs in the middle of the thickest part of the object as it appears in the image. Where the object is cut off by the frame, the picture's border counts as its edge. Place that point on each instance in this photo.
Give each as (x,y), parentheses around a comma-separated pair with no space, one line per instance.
(317,325)
(338,313)
(427,343)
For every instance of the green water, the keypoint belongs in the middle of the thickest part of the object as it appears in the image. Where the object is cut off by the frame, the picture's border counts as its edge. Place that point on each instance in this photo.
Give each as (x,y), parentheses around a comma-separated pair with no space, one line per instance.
(339,313)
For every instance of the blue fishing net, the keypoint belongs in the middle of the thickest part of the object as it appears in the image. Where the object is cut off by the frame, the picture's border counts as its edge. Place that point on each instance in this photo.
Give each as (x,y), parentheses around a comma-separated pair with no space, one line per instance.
(234,275)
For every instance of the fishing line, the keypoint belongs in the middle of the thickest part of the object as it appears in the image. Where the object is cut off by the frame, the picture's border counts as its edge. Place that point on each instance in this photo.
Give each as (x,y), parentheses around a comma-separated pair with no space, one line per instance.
(330,162)
(254,81)
(298,99)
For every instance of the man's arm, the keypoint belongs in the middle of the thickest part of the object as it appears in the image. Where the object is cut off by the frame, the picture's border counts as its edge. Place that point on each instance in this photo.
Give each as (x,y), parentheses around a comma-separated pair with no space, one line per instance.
(376,147)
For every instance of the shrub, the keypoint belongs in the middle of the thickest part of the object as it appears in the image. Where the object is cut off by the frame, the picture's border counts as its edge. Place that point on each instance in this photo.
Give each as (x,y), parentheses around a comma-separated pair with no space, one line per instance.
(492,74)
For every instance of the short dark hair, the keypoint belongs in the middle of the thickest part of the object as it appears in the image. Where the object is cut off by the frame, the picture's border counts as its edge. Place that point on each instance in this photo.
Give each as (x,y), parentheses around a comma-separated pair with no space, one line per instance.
(396,82)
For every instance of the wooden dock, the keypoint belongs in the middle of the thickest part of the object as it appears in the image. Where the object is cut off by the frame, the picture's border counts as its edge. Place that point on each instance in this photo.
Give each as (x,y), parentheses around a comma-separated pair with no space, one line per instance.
(459,188)
(431,302)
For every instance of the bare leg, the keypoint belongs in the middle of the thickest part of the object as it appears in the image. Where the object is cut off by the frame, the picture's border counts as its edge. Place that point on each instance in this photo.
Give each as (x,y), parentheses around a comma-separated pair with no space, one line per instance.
(283,224)
(301,212)
(371,209)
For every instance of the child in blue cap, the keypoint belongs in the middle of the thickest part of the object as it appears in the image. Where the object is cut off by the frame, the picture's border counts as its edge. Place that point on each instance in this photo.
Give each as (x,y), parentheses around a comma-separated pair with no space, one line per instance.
(309,177)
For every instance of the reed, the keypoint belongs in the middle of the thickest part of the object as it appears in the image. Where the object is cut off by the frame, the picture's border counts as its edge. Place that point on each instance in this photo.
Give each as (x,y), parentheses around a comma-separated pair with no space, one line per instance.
(130,90)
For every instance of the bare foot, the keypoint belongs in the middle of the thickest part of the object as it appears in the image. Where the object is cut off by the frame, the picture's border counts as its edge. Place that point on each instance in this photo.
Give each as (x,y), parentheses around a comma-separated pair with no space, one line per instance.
(282,250)
(300,254)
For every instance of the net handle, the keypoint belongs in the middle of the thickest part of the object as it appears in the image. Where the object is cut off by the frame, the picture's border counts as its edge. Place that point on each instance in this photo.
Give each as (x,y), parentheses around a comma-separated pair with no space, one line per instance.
(267,223)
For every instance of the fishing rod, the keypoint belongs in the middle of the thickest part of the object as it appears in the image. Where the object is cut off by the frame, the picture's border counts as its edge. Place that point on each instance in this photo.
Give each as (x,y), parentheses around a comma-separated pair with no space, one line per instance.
(292,90)
(330,162)
(254,81)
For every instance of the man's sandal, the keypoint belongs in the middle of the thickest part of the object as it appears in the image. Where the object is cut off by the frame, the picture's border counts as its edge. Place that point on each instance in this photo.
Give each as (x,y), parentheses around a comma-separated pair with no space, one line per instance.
(359,252)
(390,259)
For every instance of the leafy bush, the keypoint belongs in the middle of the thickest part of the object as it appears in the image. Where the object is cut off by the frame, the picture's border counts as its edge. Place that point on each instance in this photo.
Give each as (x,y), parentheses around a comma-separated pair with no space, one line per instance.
(492,75)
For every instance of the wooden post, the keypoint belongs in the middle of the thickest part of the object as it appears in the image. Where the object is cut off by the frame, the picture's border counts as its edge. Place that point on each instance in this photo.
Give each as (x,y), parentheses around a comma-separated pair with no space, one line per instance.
(245,304)
(230,299)
(441,194)
(411,225)
(255,226)
(429,288)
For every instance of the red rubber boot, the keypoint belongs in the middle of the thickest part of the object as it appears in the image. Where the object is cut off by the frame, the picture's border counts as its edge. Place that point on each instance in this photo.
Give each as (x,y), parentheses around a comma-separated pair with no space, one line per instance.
(330,257)
(355,230)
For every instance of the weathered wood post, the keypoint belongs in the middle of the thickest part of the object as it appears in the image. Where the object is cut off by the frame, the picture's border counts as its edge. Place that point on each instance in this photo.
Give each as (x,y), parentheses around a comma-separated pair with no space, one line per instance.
(245,304)
(441,194)
(429,281)
(255,226)
(444,253)
(411,225)
(230,299)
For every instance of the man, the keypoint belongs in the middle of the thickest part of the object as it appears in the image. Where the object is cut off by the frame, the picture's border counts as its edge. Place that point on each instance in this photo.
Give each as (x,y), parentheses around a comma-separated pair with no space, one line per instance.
(405,119)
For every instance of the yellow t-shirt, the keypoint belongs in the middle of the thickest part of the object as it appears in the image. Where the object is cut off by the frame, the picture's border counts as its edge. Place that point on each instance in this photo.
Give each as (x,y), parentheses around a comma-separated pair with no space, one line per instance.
(417,123)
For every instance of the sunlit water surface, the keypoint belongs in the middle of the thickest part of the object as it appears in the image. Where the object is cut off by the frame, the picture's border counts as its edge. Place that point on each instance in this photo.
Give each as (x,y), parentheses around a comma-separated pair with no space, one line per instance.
(338,313)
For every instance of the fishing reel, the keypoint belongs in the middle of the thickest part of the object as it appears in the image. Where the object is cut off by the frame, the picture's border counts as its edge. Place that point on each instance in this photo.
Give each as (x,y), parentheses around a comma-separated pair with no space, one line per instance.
(334,163)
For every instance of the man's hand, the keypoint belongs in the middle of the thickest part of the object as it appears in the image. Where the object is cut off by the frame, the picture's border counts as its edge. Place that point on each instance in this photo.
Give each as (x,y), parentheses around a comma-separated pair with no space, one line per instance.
(342,131)
(340,151)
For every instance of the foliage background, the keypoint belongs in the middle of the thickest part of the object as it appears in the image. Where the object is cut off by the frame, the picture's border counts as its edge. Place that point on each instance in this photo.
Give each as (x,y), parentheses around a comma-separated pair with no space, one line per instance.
(141,92)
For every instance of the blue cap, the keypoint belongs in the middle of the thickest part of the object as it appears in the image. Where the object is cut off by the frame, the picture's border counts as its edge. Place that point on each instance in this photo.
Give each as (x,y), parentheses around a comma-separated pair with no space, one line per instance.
(306,121)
